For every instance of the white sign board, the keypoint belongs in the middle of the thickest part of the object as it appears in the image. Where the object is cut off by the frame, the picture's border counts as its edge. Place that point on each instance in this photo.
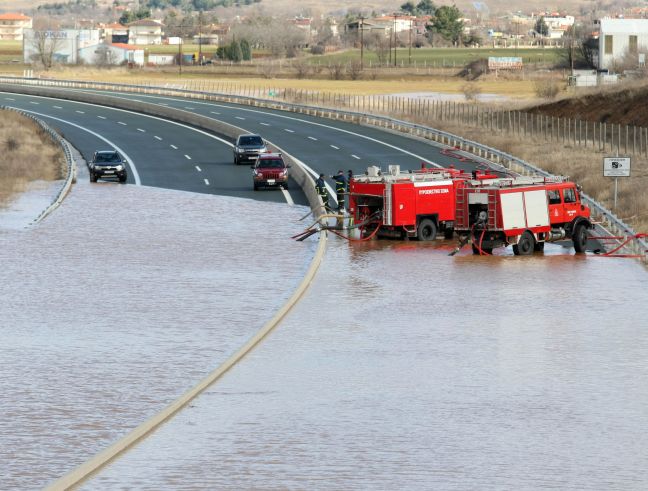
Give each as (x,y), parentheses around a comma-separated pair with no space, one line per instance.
(616,167)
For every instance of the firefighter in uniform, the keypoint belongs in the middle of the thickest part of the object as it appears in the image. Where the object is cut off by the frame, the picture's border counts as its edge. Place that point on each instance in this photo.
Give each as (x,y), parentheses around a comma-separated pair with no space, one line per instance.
(320,187)
(340,188)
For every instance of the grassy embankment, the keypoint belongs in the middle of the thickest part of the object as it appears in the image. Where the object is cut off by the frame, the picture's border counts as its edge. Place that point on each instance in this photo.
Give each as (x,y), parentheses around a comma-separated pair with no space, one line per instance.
(28,154)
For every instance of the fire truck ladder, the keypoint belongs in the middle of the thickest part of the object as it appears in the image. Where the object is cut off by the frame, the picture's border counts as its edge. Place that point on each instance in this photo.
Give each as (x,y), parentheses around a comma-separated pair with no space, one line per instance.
(492,209)
(387,204)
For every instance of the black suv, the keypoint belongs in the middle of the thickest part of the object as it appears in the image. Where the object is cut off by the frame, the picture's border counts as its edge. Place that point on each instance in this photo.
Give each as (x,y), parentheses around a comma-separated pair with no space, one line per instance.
(107,163)
(248,148)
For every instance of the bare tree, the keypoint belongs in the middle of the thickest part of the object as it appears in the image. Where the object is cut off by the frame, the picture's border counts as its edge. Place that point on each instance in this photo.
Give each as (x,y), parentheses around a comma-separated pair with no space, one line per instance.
(337,70)
(104,56)
(45,44)
(302,68)
(379,44)
(354,69)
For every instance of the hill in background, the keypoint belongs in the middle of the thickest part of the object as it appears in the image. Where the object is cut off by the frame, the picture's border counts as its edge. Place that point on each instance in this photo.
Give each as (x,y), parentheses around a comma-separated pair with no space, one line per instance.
(341,7)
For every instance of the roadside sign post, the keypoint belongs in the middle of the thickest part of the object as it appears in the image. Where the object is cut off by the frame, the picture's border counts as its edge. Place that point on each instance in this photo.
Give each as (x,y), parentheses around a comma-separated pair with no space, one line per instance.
(616,167)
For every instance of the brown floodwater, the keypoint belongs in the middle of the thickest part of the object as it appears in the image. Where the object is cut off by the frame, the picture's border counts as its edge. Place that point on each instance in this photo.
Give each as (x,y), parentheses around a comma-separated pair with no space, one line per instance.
(120,301)
(404,368)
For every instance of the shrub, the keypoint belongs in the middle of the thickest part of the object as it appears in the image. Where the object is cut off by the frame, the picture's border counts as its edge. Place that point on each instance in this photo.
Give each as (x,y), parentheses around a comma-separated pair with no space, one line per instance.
(471,91)
(547,89)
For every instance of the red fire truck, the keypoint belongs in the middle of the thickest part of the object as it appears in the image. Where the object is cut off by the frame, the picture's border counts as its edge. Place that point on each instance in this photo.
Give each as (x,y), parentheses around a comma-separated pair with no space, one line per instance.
(524,212)
(414,204)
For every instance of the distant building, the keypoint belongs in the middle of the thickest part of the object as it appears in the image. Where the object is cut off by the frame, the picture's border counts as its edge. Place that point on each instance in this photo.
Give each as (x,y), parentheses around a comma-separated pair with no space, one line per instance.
(115,33)
(145,31)
(622,39)
(557,25)
(105,54)
(12,26)
(63,44)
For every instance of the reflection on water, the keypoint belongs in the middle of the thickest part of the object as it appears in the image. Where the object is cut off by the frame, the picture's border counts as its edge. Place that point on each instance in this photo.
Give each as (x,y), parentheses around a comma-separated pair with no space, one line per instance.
(119,302)
(404,368)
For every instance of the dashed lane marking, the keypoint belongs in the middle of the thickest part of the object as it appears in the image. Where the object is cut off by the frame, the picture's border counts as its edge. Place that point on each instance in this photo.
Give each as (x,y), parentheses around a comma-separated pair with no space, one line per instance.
(289,131)
(122,123)
(141,130)
(212,112)
(80,112)
(157,138)
(33,102)
(198,169)
(112,144)
(312,138)
(187,157)
(10,99)
(102,117)
(355,156)
(265,124)
(207,182)
(239,117)
(174,147)
(333,146)
(55,107)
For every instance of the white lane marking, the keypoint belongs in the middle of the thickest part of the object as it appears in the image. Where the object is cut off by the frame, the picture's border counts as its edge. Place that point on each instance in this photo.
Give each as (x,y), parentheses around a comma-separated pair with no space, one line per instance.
(312,138)
(163,104)
(198,169)
(212,112)
(187,157)
(10,99)
(207,182)
(239,117)
(122,123)
(289,131)
(355,156)
(102,117)
(289,199)
(322,125)
(157,138)
(136,176)
(80,112)
(141,130)
(190,108)
(55,107)
(333,146)
(265,124)
(33,102)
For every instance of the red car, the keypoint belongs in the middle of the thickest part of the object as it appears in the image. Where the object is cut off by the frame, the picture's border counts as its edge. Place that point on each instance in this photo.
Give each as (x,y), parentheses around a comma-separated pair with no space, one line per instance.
(270,170)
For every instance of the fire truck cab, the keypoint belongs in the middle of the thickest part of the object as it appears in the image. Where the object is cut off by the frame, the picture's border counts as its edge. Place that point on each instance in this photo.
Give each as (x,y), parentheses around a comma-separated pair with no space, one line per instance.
(524,212)
(414,204)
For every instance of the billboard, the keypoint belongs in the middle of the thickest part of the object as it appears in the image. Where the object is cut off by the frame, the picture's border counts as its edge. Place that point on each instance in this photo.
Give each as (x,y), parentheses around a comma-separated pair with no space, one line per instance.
(504,63)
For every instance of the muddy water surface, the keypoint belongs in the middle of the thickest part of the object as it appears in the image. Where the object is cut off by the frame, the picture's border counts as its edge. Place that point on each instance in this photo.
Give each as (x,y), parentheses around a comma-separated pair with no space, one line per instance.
(120,301)
(406,369)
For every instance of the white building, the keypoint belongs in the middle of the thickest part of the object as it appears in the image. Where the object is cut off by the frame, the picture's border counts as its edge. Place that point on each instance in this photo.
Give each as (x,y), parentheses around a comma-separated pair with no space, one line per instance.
(63,45)
(622,39)
(145,31)
(12,26)
(106,54)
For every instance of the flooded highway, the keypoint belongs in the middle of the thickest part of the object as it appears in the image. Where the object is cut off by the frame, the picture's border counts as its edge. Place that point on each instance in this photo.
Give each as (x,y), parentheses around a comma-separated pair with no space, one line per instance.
(403,368)
(120,301)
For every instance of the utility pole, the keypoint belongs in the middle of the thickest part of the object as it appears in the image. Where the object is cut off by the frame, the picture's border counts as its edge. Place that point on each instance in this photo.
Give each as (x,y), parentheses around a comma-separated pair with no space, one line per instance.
(410,40)
(361,42)
(395,40)
(200,21)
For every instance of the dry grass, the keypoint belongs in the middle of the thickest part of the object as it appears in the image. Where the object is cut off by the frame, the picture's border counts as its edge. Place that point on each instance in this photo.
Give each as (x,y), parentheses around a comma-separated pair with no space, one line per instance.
(584,166)
(384,83)
(28,154)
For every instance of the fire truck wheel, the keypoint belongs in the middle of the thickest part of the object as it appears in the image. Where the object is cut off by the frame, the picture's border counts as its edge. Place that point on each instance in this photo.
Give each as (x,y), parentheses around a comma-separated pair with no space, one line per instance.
(525,245)
(427,230)
(580,238)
